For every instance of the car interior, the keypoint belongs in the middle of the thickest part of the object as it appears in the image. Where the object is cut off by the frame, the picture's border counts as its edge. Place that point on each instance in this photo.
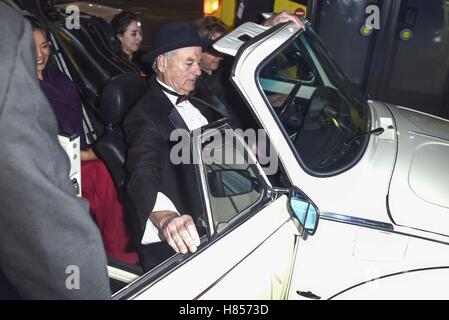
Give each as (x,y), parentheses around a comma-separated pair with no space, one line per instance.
(109,86)
(311,109)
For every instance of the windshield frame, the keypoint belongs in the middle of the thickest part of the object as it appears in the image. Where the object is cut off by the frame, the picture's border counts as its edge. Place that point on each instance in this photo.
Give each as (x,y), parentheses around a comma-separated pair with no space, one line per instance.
(337,78)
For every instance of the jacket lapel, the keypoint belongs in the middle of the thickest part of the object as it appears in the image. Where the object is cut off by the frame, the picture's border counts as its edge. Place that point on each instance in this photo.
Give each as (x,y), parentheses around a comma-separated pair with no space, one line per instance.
(176,119)
(204,104)
(173,115)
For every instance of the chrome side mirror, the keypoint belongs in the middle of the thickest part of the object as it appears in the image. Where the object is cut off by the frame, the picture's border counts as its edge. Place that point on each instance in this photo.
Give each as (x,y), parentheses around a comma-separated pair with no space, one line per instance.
(304,210)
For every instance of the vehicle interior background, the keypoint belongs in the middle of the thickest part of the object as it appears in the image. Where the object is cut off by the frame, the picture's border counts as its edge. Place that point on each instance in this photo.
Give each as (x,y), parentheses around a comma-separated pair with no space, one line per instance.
(74,52)
(91,53)
(108,98)
(93,73)
(91,69)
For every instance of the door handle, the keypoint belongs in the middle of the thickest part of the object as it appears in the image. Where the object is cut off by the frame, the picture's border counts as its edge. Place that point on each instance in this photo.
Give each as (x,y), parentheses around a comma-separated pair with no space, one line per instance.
(308,294)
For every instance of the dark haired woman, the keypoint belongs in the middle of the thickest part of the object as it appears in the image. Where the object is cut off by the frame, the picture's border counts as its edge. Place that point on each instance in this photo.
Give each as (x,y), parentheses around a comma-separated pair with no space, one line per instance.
(127,26)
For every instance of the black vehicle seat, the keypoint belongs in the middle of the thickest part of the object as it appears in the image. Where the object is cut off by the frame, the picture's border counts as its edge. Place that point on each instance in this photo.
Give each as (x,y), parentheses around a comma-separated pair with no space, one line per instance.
(106,42)
(119,95)
(107,34)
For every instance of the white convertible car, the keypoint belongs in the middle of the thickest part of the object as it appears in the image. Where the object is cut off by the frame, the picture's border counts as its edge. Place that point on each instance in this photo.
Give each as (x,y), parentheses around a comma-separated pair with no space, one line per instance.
(377,173)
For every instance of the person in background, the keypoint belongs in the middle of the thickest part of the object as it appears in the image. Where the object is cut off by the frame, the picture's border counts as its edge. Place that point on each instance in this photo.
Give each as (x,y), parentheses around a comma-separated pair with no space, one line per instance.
(127,27)
(97,185)
(212,75)
(46,232)
(213,84)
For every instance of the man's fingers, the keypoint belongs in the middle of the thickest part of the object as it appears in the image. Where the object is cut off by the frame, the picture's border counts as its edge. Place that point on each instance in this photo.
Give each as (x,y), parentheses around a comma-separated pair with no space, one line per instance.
(179,242)
(284,16)
(170,242)
(188,241)
(168,236)
(173,237)
(193,233)
(181,234)
(189,233)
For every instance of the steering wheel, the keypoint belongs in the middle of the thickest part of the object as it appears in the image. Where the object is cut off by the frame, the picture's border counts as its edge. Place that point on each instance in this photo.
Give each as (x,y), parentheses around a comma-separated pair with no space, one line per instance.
(318,135)
(325,104)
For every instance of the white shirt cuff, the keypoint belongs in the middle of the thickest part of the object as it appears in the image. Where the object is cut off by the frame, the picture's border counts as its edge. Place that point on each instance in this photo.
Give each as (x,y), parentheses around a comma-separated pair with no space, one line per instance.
(151,234)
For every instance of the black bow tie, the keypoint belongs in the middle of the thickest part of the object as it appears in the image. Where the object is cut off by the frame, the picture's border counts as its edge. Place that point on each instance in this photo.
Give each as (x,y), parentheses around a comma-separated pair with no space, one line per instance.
(181,97)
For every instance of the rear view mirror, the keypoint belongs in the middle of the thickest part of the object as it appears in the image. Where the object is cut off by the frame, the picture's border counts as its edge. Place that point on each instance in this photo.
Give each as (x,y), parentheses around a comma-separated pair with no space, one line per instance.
(304,210)
(229,183)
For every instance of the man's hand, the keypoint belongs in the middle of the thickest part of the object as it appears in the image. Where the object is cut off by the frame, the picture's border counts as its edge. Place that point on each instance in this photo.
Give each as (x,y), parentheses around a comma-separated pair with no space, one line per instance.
(179,231)
(282,17)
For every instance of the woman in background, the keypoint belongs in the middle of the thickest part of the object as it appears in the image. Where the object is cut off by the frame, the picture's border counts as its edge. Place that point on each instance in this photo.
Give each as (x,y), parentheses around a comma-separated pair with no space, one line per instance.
(97,185)
(127,27)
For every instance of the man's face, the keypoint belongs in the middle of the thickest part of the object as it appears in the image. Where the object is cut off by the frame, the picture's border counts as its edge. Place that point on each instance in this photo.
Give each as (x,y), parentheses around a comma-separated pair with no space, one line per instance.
(181,69)
(211,61)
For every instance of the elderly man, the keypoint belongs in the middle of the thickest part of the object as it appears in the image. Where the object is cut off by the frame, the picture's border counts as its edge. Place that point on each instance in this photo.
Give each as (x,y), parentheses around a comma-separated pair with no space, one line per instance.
(166,196)
(158,189)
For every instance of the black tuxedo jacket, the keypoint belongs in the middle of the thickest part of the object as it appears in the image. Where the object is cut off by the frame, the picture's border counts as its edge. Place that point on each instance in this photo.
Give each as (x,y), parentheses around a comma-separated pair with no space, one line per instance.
(147,127)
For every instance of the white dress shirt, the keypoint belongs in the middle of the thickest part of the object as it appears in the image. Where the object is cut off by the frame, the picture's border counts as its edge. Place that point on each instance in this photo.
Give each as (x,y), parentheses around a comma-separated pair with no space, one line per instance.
(151,233)
(191,115)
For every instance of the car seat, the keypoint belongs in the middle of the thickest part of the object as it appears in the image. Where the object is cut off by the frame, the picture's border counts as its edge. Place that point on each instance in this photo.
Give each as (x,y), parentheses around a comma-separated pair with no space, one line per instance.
(107,34)
(118,96)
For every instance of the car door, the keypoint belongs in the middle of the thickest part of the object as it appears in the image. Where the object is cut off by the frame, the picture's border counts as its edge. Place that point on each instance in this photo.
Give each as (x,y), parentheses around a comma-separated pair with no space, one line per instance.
(361,259)
(251,237)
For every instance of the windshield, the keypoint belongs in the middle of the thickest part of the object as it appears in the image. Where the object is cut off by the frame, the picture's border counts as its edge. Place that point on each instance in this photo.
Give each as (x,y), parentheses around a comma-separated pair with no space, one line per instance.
(315,104)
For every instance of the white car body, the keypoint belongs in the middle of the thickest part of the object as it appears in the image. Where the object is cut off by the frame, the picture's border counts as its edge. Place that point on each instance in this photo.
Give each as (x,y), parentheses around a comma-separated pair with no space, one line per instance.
(384,223)
(343,254)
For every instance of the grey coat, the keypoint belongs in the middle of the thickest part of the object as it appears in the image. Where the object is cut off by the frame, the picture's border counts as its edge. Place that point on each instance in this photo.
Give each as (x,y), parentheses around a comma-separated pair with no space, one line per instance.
(46,233)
